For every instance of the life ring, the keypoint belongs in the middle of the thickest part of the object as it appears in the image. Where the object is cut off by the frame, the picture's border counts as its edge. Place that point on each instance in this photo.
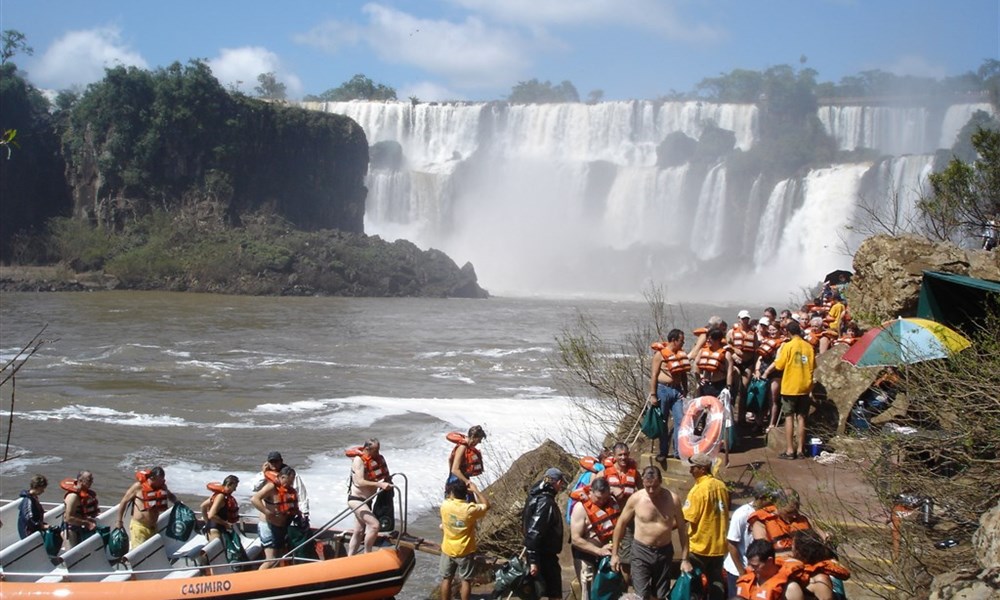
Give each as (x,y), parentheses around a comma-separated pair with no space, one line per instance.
(689,444)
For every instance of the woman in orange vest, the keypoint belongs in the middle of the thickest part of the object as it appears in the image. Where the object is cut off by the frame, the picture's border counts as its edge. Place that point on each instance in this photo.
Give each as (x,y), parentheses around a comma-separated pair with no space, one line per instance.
(465,460)
(714,364)
(221,510)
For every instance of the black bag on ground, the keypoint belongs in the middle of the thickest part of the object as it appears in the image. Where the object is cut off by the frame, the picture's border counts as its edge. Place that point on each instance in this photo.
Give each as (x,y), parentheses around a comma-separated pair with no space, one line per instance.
(181,522)
(234,548)
(117,543)
(383,510)
(52,538)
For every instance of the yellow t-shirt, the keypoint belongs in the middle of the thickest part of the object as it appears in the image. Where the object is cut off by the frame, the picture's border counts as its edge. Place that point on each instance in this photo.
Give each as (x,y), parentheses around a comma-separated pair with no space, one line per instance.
(458,520)
(836,312)
(796,360)
(707,510)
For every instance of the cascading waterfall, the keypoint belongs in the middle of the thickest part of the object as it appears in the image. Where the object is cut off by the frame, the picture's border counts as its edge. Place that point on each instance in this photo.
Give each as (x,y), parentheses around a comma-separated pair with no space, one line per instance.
(576,198)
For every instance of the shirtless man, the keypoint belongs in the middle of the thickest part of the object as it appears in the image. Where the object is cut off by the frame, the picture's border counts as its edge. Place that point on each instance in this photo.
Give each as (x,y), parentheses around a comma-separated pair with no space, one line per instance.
(82,508)
(668,385)
(278,504)
(591,525)
(149,496)
(656,512)
(369,474)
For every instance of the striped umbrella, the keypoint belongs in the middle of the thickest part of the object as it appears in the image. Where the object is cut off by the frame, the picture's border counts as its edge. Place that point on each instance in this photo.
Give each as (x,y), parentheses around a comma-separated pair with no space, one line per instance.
(904,342)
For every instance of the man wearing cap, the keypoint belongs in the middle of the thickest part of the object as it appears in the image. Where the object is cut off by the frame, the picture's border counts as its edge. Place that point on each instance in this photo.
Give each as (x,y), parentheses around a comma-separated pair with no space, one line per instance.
(656,513)
(543,532)
(743,338)
(740,535)
(706,510)
(274,463)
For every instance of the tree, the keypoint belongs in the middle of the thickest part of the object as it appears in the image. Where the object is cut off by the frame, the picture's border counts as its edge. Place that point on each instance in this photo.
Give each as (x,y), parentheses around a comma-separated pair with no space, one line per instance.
(13,42)
(595,96)
(270,88)
(359,87)
(965,196)
(536,92)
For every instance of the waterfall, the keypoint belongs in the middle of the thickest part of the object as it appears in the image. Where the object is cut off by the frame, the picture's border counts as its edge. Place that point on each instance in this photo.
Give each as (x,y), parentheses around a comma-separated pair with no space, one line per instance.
(572,198)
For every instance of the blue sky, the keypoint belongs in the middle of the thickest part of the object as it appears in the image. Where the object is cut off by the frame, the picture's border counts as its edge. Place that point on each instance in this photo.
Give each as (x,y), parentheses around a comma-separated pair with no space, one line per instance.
(479,49)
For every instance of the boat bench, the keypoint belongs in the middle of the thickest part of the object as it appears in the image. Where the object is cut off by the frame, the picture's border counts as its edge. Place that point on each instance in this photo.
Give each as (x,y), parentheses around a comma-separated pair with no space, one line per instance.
(149,555)
(8,533)
(27,556)
(87,557)
(209,554)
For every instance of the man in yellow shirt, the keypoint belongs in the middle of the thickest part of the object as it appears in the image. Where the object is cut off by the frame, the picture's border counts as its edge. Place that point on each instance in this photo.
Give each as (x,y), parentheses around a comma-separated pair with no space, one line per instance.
(458,521)
(797,362)
(706,510)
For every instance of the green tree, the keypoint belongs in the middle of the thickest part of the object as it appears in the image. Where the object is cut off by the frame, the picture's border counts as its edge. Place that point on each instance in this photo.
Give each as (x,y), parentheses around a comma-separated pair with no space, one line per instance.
(965,196)
(739,85)
(359,87)
(595,96)
(537,92)
(269,88)
(13,42)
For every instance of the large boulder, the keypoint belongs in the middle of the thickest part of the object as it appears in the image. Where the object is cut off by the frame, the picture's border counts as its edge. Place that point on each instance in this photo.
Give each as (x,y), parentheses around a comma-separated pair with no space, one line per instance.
(888,272)
(842,382)
(971,583)
(984,265)
(500,531)
(986,540)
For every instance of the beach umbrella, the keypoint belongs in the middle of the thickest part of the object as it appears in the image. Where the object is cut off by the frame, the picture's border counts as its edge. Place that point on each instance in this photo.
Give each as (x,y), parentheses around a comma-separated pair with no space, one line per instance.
(834,276)
(904,342)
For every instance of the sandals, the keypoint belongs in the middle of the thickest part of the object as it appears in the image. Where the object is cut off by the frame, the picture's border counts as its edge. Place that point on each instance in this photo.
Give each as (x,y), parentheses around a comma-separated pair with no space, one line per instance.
(787,456)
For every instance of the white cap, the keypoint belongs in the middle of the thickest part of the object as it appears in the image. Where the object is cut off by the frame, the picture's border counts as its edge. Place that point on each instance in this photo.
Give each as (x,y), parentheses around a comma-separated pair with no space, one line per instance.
(764,321)
(744,314)
(796,317)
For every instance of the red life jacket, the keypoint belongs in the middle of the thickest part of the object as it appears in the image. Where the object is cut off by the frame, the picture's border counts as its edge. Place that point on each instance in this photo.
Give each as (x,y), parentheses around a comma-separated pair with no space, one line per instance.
(709,361)
(288,499)
(744,341)
(779,531)
(231,509)
(748,588)
(472,460)
(89,506)
(676,363)
(627,481)
(375,468)
(149,498)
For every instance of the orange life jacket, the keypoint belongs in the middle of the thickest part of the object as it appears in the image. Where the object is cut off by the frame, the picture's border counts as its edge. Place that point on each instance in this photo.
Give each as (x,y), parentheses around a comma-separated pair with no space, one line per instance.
(288,499)
(472,461)
(845,341)
(89,506)
(768,346)
(231,509)
(375,468)
(779,531)
(150,498)
(709,361)
(590,463)
(602,520)
(748,588)
(829,567)
(676,363)
(699,331)
(744,341)
(627,481)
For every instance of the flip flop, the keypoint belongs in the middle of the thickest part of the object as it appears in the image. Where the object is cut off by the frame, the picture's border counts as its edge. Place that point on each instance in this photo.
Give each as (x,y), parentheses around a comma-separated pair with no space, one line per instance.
(787,456)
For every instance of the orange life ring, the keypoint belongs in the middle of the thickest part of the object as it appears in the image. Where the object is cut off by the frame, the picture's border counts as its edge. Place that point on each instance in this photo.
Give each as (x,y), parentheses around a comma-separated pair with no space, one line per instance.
(689,444)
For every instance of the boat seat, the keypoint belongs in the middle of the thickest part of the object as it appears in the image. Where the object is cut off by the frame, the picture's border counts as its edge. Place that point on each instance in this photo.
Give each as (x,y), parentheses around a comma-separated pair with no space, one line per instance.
(151,554)
(26,556)
(8,514)
(255,549)
(190,552)
(89,556)
(207,555)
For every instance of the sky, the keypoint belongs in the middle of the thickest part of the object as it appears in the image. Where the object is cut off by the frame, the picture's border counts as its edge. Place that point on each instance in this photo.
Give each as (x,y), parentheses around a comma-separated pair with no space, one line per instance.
(480,49)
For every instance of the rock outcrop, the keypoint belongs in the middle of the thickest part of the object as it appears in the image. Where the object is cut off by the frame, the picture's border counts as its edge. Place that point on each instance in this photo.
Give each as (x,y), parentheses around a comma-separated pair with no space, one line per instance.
(972,583)
(842,382)
(888,272)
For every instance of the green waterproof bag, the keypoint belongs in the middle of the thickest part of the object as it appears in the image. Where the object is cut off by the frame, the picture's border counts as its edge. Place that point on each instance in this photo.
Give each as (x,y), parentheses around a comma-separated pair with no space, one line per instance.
(181,522)
(117,544)
(682,588)
(234,548)
(52,538)
(652,422)
(296,536)
(607,584)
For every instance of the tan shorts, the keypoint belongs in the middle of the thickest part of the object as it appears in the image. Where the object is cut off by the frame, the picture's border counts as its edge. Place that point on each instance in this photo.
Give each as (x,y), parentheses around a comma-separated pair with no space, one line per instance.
(139,533)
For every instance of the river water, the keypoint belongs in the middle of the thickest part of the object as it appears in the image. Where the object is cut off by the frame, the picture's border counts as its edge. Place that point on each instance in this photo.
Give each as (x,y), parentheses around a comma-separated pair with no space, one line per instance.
(206,385)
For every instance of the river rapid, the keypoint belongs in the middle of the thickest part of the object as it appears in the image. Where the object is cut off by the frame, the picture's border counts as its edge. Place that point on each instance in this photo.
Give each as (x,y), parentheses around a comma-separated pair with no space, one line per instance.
(207,385)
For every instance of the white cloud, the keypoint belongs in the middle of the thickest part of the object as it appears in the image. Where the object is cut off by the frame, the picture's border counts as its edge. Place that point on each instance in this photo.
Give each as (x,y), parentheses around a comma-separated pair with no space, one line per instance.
(649,15)
(917,66)
(469,53)
(239,68)
(80,57)
(428,91)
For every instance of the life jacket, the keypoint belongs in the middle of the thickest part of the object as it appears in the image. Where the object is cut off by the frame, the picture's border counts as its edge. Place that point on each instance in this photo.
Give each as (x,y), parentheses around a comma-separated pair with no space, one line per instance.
(581,486)
(231,509)
(700,331)
(768,346)
(744,341)
(748,588)
(602,520)
(779,531)
(375,468)
(627,481)
(676,363)
(89,506)
(845,341)
(472,462)
(149,498)
(710,360)
(813,336)
(829,567)
(288,498)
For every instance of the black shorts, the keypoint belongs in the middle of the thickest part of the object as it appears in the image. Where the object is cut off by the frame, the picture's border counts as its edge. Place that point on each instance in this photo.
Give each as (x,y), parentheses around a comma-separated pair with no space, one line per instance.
(651,570)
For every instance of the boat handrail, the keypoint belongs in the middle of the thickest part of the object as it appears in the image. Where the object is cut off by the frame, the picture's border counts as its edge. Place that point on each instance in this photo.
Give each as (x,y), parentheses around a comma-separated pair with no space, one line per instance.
(62,571)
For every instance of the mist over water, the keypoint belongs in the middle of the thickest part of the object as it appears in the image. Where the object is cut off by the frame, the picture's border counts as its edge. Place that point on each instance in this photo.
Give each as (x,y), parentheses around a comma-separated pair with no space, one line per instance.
(567,199)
